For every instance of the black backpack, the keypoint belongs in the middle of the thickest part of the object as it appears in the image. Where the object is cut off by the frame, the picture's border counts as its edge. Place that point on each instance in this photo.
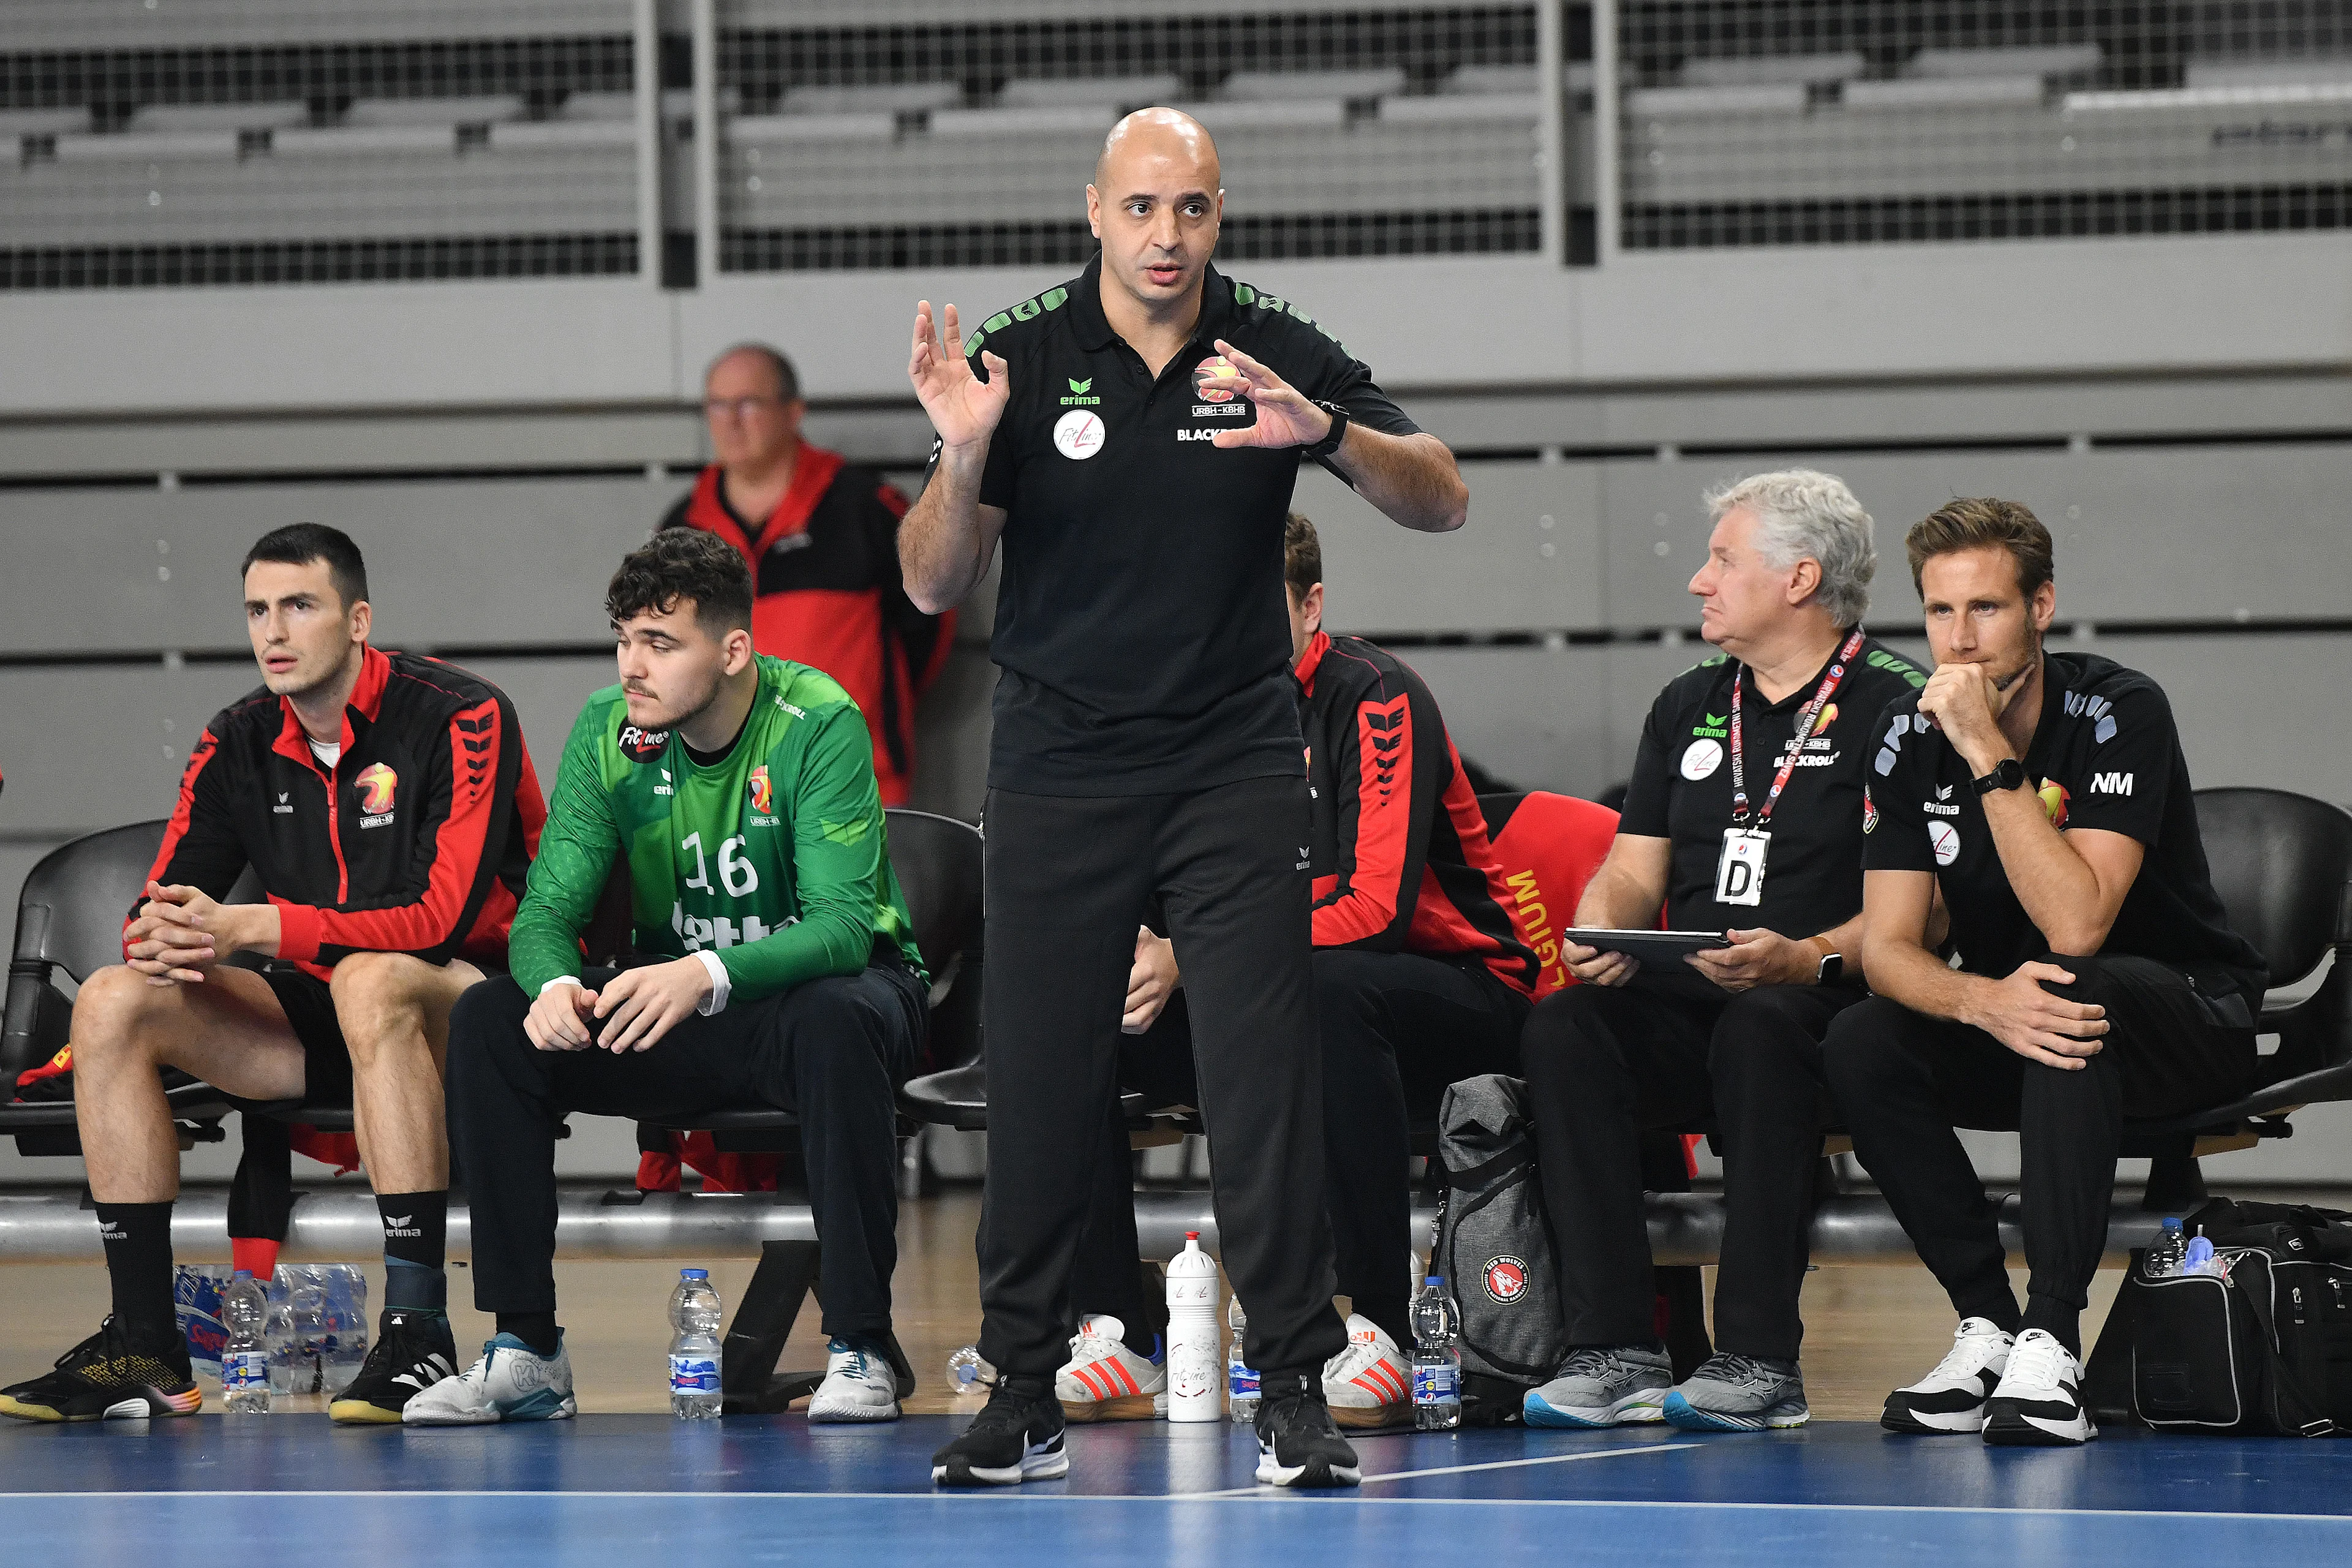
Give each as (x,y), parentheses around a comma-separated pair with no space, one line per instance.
(2266,1350)
(1494,1247)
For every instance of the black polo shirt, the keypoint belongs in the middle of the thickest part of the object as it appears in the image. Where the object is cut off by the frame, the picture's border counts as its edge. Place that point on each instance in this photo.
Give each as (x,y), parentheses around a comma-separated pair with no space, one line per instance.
(1140,629)
(2105,754)
(1682,790)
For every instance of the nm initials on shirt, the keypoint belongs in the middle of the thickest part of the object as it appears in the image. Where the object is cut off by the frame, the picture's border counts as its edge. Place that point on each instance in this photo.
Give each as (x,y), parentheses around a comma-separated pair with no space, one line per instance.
(2111,784)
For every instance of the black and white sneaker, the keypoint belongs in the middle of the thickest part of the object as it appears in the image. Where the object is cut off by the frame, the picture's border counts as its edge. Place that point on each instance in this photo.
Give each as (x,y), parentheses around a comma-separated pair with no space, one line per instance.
(2040,1400)
(104,1379)
(1952,1397)
(413,1351)
(1298,1446)
(1016,1437)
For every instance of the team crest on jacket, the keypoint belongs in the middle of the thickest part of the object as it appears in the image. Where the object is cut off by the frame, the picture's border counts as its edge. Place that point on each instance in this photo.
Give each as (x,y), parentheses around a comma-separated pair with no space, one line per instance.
(764,794)
(642,745)
(1505,1279)
(377,784)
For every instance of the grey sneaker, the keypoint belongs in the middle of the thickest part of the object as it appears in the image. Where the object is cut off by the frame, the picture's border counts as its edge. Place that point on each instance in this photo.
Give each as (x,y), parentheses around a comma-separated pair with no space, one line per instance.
(1740,1393)
(1596,1387)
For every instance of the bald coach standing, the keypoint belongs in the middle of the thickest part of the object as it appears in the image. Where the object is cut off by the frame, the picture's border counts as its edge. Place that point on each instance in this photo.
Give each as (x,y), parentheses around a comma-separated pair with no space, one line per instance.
(1133,437)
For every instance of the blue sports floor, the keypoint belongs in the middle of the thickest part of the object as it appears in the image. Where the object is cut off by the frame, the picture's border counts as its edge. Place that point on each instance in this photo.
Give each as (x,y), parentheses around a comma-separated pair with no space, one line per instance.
(634,1489)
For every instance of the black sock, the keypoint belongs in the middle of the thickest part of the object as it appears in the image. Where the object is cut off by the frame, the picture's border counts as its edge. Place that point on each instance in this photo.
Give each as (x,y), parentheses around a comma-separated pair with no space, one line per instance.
(536,1330)
(2059,1320)
(415,1249)
(138,1239)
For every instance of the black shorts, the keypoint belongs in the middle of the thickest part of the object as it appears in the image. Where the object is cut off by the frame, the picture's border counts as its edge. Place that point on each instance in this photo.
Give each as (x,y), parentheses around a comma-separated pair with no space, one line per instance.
(309,1009)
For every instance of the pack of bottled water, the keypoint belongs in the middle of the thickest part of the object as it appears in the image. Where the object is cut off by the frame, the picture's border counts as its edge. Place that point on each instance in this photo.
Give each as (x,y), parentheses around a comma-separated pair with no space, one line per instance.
(196,1292)
(317,1332)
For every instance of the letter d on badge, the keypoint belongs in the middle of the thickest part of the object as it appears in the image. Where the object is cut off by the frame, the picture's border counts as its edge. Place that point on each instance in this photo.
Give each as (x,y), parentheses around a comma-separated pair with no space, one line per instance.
(1739,875)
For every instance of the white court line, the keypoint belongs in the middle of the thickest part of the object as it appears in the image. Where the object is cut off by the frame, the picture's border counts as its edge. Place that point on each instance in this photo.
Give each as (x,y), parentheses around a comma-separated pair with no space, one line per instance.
(1266,1492)
(1023,1494)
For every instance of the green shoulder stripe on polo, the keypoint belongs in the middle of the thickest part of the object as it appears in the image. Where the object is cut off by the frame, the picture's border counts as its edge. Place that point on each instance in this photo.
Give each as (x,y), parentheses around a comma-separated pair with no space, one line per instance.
(1896,663)
(1029,310)
(1243,294)
(1706,663)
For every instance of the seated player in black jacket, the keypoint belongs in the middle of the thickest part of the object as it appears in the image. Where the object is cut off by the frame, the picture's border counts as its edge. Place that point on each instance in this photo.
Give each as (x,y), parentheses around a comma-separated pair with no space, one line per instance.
(2046,794)
(1421,978)
(388,806)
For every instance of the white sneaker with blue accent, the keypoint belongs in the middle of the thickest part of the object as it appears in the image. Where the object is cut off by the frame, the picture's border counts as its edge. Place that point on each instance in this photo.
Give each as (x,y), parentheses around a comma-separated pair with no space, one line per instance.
(860,1384)
(511,1383)
(1740,1393)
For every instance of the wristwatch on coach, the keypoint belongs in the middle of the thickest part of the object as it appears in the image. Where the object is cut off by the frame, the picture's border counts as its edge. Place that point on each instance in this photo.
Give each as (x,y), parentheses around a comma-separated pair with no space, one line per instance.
(1331,437)
(1832,971)
(2008,775)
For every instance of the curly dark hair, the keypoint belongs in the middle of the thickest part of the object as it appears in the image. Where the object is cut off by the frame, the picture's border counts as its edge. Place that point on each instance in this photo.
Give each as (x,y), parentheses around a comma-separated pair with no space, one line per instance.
(684,563)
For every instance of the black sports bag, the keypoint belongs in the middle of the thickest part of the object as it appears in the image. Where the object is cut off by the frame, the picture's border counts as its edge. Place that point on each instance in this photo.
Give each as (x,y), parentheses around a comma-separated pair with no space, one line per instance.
(1494,1247)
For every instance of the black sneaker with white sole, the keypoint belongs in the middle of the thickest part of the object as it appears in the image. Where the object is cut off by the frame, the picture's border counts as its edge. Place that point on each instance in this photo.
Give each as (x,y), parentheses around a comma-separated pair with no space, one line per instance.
(1016,1437)
(1953,1397)
(413,1351)
(2039,1401)
(104,1379)
(1298,1446)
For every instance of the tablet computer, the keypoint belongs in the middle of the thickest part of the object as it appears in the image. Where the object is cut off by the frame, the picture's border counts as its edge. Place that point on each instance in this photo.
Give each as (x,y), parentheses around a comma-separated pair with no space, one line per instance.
(1658,947)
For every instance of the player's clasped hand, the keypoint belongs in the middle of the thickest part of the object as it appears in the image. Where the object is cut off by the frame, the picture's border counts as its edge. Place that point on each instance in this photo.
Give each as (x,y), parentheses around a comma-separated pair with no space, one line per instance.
(2039,1025)
(1286,417)
(642,1004)
(1595,967)
(1150,980)
(557,1020)
(167,941)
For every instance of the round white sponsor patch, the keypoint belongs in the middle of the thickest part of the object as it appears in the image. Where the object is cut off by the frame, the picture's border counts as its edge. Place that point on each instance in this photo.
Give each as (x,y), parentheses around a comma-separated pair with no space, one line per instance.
(1702,758)
(1079,433)
(1946,840)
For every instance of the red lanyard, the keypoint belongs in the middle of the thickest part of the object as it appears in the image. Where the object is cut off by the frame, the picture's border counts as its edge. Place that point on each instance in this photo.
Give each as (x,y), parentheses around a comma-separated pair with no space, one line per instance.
(1805,717)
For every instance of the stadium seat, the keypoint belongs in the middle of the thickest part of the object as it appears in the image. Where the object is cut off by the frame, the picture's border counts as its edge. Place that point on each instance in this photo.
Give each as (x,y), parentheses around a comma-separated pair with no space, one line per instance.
(1749,71)
(1120,92)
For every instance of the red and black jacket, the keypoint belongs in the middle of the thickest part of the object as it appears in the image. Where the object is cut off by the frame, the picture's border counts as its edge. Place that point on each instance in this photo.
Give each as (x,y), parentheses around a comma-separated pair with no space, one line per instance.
(824,573)
(1400,856)
(417,841)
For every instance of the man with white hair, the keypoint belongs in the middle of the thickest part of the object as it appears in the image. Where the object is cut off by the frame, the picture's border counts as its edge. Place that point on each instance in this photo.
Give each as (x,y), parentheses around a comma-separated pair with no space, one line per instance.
(1745,817)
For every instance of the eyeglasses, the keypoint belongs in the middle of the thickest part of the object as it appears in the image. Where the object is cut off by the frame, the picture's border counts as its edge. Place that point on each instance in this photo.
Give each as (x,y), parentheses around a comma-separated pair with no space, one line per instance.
(738,407)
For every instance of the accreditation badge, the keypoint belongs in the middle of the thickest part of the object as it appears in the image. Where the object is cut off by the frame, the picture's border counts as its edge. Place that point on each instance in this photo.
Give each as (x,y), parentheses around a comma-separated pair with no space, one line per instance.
(1739,874)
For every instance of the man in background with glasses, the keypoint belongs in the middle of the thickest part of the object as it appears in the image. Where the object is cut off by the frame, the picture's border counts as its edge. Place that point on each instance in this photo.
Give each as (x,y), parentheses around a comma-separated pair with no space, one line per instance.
(820,536)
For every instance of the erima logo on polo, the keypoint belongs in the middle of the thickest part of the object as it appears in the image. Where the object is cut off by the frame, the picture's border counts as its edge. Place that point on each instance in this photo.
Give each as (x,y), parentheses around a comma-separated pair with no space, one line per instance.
(1077,394)
(2111,784)
(1713,728)
(1943,792)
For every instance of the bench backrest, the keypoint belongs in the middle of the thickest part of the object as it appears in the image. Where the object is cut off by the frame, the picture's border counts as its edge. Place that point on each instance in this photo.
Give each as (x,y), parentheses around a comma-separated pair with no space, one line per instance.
(2283,865)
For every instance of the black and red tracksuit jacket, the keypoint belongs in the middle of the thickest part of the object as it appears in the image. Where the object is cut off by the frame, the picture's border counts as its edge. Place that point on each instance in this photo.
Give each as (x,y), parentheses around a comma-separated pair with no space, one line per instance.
(1399,855)
(827,593)
(417,842)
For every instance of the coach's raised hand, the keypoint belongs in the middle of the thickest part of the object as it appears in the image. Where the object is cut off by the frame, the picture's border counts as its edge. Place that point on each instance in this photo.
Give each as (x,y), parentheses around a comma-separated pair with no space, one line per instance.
(1285,415)
(964,408)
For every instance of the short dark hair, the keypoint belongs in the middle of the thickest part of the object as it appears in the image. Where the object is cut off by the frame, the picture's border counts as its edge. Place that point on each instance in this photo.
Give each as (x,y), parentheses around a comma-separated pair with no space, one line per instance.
(1977,522)
(300,543)
(1302,555)
(684,563)
(788,380)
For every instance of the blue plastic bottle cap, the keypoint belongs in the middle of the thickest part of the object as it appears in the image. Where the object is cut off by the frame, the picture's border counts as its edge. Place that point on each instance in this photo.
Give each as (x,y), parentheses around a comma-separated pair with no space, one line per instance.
(1433,1279)
(241,1274)
(694,1273)
(2173,1223)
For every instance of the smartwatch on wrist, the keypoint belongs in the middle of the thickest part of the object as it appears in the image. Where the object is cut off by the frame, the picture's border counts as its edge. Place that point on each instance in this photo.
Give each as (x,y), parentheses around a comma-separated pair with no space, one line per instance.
(1832,971)
(1331,437)
(2008,775)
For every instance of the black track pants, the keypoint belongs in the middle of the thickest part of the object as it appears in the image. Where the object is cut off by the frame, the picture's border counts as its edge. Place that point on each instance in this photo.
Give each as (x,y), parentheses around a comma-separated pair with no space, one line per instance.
(1905,1080)
(1397,1027)
(1605,1063)
(833,1051)
(1068,881)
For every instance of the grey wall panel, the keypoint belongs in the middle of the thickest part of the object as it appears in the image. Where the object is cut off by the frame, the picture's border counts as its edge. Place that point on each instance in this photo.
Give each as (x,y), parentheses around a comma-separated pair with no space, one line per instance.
(1527,558)
(2198,533)
(951,731)
(94,747)
(505,560)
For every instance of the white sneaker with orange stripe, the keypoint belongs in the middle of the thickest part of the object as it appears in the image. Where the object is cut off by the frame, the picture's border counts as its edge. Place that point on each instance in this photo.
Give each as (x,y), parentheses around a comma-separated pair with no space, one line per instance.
(1366,1384)
(1105,1381)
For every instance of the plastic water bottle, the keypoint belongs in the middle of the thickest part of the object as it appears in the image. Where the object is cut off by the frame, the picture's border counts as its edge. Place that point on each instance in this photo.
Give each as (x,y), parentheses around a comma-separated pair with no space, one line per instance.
(343,1327)
(245,1364)
(1192,1336)
(694,1314)
(967,1373)
(1436,1361)
(1240,1378)
(2168,1252)
(2200,1259)
(297,1329)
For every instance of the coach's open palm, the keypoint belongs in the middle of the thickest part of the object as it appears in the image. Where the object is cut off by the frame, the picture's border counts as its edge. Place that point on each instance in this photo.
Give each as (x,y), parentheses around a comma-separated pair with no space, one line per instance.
(964,408)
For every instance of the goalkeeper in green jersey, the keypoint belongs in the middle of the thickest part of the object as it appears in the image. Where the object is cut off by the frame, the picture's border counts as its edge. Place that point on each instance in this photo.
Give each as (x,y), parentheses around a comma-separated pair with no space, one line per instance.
(779,968)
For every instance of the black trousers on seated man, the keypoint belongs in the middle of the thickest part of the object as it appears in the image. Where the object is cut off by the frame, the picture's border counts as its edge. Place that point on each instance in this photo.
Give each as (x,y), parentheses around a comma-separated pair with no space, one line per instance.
(1604,1064)
(1905,1080)
(833,1051)
(1068,880)
(1397,1027)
